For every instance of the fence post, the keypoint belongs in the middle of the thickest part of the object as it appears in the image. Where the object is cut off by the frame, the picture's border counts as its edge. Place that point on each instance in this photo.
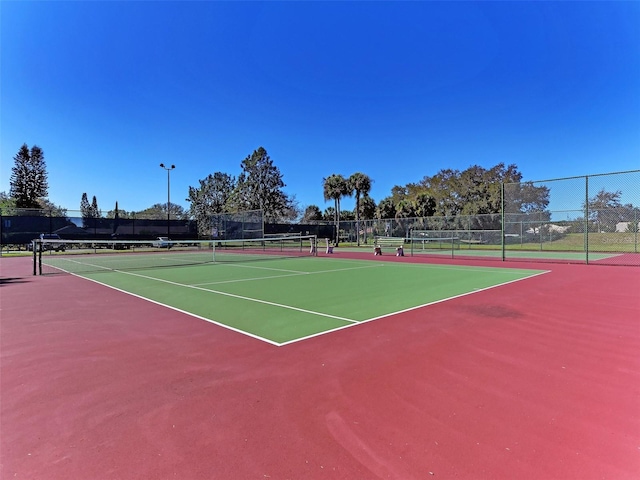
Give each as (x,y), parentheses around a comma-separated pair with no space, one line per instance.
(586,219)
(636,229)
(502,218)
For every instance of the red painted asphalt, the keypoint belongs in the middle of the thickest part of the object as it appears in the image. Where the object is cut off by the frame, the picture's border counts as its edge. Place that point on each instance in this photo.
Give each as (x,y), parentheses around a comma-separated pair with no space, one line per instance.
(538,379)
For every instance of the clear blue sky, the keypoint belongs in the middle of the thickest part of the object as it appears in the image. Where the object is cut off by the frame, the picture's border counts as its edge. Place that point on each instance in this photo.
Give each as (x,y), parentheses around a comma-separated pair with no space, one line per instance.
(396,90)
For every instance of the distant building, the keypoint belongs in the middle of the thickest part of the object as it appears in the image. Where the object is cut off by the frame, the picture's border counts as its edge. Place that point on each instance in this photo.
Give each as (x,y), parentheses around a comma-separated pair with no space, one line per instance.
(624,226)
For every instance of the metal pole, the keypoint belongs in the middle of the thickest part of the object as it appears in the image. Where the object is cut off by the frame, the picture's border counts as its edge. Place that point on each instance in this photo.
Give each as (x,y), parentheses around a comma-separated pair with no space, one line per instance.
(168,169)
(636,229)
(502,220)
(586,219)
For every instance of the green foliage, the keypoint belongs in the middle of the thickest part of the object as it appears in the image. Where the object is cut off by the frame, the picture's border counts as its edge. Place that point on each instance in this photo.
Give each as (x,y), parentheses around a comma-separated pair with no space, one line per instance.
(211,197)
(329,214)
(7,204)
(474,191)
(386,208)
(119,213)
(52,209)
(95,211)
(347,215)
(85,210)
(28,177)
(367,208)
(361,185)
(89,211)
(335,186)
(633,227)
(260,187)
(158,211)
(311,213)
(424,205)
(606,211)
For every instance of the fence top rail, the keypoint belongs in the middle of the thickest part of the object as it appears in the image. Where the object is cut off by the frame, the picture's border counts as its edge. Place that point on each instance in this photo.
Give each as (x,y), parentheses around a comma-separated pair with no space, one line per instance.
(573,178)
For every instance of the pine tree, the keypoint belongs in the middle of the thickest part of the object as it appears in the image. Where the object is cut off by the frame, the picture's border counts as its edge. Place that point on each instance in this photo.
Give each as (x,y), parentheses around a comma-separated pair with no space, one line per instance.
(29,177)
(95,211)
(259,187)
(85,210)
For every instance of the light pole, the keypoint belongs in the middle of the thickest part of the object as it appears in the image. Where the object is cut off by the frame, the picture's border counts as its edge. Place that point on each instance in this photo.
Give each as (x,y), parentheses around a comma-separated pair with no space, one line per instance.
(168,169)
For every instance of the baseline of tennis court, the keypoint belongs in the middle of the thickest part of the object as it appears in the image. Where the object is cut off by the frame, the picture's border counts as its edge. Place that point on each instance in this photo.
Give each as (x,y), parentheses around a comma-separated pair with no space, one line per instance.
(284,300)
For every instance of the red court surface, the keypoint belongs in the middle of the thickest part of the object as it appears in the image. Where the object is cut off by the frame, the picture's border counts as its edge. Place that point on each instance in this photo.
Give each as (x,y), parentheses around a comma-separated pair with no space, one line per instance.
(538,379)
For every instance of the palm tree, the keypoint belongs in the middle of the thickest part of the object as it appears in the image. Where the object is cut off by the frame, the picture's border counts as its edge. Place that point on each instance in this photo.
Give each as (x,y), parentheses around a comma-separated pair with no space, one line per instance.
(335,187)
(361,184)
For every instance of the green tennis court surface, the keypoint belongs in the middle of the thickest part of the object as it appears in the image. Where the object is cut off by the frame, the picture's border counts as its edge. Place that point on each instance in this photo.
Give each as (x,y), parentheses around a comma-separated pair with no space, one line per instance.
(283,300)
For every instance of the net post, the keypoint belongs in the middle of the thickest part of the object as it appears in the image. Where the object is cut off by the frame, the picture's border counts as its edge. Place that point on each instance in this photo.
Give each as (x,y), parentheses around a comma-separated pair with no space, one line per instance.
(35,256)
(40,248)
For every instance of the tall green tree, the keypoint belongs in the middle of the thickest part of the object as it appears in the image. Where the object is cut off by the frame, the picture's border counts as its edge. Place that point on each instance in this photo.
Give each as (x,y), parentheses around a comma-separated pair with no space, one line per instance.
(259,187)
(443,187)
(118,213)
(51,208)
(335,187)
(210,197)
(329,214)
(367,208)
(311,213)
(95,211)
(158,211)
(605,208)
(386,208)
(28,182)
(85,211)
(361,185)
(424,205)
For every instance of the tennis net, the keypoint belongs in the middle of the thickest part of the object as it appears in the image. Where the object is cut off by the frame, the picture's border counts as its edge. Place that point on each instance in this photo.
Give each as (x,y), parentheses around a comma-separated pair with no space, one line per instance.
(433,244)
(84,256)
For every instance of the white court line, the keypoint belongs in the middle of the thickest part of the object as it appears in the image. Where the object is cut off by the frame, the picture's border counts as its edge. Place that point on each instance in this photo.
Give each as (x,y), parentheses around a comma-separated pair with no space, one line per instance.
(411,308)
(283,276)
(351,322)
(236,265)
(257,300)
(191,314)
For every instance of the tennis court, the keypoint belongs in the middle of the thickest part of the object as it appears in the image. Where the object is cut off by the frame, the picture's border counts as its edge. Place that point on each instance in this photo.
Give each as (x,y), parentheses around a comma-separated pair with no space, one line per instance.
(283,294)
(265,363)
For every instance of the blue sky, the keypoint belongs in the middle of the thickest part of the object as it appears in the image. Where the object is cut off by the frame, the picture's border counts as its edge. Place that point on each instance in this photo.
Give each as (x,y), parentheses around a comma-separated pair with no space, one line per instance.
(396,90)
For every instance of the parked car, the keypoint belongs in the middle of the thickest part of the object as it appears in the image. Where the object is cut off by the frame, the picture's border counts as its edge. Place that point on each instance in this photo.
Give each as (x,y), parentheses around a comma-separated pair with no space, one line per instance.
(162,242)
(118,245)
(54,242)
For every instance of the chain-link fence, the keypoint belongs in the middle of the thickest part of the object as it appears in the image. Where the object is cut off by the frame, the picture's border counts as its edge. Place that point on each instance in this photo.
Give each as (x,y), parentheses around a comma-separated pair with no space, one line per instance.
(19,227)
(590,219)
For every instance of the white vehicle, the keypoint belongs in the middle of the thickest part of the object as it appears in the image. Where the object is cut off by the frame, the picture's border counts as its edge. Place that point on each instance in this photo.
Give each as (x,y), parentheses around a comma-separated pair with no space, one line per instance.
(162,242)
(54,242)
